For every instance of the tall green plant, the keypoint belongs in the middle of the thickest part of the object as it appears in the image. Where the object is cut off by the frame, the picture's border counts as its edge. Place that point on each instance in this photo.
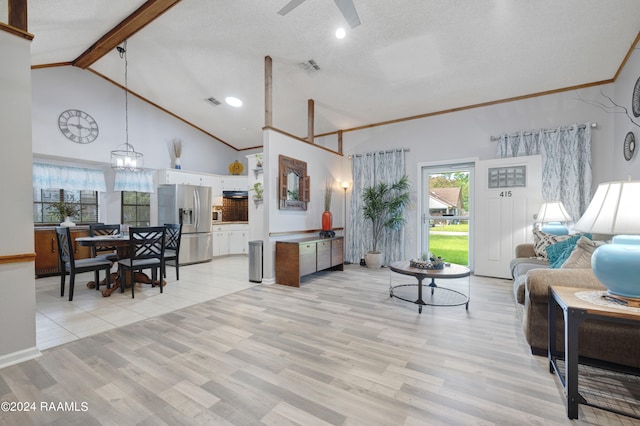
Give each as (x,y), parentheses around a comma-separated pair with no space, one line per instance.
(384,206)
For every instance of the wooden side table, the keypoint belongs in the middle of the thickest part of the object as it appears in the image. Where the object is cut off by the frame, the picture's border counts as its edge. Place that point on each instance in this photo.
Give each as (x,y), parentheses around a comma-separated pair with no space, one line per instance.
(575,312)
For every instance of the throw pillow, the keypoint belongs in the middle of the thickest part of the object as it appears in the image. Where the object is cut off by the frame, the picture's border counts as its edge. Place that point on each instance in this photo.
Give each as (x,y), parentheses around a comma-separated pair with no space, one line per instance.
(541,240)
(559,252)
(580,257)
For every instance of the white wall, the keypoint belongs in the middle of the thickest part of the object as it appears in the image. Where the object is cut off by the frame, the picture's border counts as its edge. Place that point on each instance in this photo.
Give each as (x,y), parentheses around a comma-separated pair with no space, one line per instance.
(150,130)
(321,165)
(17,284)
(467,133)
(622,95)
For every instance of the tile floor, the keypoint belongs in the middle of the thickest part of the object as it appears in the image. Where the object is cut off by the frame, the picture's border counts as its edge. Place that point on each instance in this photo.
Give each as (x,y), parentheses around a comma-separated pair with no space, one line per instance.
(59,321)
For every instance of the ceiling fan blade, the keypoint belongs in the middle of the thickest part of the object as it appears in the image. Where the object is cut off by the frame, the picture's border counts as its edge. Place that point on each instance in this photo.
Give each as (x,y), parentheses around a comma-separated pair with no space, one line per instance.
(348,11)
(290,6)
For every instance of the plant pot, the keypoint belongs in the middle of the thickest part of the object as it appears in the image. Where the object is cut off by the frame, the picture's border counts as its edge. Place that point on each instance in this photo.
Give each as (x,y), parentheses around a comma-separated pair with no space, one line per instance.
(177,164)
(327,221)
(373,259)
(67,222)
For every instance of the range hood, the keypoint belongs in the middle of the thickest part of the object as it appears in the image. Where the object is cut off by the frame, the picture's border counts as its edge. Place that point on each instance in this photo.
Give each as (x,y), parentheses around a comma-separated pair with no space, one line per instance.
(235,194)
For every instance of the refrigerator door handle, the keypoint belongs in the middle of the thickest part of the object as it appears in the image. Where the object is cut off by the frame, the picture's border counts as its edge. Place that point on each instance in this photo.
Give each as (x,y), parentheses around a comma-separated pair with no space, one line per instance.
(196,200)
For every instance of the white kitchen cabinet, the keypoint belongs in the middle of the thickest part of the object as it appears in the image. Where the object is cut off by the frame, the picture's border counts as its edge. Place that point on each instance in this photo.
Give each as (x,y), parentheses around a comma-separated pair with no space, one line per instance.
(238,242)
(179,177)
(230,239)
(220,243)
(235,183)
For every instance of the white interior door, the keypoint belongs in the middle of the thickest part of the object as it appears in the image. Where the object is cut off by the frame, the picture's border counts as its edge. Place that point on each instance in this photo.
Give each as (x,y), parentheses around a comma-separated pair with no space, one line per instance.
(508,194)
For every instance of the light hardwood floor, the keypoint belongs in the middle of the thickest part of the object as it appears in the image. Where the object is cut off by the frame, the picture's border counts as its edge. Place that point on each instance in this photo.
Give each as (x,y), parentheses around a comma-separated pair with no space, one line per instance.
(335,351)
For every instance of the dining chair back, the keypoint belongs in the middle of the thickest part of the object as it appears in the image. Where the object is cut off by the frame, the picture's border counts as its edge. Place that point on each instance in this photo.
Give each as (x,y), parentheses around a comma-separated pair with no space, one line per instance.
(100,229)
(146,251)
(69,264)
(172,247)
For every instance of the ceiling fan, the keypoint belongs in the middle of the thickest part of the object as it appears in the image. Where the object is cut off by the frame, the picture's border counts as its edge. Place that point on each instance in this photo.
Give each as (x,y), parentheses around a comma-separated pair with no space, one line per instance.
(346,7)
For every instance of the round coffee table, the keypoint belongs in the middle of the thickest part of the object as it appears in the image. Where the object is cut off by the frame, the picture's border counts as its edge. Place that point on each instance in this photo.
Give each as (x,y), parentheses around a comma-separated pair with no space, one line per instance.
(440,296)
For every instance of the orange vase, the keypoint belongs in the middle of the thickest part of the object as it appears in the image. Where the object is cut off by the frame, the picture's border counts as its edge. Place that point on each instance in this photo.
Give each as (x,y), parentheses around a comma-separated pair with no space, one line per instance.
(327,221)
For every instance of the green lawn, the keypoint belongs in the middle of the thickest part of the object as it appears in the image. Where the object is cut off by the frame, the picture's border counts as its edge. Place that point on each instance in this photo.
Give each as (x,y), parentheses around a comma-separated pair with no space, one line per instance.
(463,227)
(452,248)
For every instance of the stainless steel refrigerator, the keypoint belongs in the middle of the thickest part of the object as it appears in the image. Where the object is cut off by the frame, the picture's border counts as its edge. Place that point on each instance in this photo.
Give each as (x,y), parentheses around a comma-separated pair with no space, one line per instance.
(190,206)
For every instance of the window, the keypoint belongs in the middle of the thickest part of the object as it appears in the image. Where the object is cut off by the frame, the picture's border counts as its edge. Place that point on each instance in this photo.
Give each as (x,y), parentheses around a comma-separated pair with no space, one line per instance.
(46,206)
(136,208)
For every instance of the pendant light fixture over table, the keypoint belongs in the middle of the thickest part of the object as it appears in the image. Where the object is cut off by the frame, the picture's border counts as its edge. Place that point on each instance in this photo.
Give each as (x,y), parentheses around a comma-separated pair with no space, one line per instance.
(125,157)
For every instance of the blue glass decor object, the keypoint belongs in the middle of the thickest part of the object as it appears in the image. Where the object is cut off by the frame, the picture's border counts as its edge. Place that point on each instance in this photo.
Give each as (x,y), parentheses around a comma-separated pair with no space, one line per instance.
(555,228)
(617,265)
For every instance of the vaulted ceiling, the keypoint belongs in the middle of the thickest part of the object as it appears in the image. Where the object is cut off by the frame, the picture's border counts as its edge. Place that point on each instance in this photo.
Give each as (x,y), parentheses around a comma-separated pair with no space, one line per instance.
(407,58)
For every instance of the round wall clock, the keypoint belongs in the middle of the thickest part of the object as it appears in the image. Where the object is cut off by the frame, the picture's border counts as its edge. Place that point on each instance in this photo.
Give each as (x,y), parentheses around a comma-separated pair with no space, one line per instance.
(635,99)
(78,126)
(629,146)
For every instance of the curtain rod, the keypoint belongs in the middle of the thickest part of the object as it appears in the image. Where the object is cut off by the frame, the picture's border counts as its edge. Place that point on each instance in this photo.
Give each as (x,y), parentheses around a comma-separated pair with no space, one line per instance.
(379,152)
(580,126)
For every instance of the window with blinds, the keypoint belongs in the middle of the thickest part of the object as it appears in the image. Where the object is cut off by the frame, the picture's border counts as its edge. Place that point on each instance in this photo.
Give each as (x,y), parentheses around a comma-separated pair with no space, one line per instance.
(47,206)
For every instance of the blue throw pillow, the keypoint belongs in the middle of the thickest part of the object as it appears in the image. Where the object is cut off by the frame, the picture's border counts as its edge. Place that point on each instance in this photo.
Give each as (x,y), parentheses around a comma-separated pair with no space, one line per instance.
(559,252)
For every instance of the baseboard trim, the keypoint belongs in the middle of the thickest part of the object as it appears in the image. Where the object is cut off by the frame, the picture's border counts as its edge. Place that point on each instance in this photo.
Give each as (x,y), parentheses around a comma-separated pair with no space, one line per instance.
(19,356)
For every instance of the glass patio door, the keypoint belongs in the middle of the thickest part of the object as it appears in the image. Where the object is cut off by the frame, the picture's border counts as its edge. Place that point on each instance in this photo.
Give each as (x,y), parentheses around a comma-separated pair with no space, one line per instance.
(446,211)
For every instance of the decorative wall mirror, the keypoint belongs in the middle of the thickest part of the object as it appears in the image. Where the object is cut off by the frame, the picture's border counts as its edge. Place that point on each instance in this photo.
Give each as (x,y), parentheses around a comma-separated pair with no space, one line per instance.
(294,184)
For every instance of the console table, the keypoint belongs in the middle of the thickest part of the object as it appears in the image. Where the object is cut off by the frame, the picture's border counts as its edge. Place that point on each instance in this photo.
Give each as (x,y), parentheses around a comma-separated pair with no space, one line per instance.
(303,256)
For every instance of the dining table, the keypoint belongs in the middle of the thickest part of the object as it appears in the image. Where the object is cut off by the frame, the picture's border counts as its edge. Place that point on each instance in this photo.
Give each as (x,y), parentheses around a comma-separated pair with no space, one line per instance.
(121,243)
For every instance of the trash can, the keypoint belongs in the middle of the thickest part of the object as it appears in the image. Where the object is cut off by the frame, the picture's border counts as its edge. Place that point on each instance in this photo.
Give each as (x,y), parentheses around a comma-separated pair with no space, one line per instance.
(255,261)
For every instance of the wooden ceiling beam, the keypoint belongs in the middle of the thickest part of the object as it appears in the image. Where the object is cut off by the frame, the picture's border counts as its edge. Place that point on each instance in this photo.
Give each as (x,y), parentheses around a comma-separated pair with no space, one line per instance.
(18,14)
(133,23)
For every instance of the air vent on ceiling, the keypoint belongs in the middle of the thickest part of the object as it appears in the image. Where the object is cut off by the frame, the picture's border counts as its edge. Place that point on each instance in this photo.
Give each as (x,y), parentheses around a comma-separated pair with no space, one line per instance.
(213,101)
(309,66)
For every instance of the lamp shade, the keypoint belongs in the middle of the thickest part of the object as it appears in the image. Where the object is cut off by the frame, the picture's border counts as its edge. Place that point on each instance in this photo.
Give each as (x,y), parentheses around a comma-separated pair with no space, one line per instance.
(614,209)
(552,211)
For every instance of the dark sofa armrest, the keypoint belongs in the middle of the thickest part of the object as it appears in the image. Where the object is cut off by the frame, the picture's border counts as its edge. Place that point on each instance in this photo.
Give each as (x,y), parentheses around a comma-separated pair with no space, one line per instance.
(539,281)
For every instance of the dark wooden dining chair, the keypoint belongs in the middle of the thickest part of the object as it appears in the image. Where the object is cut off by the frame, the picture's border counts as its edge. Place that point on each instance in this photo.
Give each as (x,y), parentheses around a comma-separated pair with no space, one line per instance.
(107,252)
(146,251)
(73,267)
(172,247)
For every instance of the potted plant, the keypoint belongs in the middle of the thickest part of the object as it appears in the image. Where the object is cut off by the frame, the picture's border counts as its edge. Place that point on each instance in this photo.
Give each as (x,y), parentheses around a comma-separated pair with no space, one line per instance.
(259,191)
(327,217)
(383,206)
(65,210)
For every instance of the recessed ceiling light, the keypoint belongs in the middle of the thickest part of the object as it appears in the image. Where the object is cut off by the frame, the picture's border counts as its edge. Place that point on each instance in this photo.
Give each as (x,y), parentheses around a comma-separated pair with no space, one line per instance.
(340,33)
(233,101)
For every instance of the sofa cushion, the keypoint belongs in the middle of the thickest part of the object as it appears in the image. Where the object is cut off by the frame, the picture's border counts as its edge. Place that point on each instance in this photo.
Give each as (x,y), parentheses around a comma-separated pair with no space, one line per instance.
(541,240)
(580,257)
(559,252)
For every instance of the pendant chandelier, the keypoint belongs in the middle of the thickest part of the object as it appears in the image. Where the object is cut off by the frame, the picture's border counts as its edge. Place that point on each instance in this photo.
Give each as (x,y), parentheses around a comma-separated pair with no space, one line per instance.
(125,157)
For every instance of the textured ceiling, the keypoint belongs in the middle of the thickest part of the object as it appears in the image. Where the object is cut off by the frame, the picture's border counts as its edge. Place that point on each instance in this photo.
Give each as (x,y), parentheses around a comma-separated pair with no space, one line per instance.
(407,58)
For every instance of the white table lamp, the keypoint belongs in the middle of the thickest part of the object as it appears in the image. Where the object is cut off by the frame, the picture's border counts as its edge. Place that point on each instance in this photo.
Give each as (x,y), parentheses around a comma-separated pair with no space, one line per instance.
(614,210)
(551,215)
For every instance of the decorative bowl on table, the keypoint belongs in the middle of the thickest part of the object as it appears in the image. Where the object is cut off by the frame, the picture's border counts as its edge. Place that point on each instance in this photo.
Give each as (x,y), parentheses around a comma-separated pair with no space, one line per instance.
(427,262)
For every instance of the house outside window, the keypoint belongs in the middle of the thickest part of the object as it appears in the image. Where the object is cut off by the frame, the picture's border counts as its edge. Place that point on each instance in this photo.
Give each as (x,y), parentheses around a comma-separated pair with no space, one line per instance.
(136,208)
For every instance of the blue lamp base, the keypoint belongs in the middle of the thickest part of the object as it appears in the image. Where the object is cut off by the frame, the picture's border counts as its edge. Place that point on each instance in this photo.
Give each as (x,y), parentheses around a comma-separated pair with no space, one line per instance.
(617,266)
(555,228)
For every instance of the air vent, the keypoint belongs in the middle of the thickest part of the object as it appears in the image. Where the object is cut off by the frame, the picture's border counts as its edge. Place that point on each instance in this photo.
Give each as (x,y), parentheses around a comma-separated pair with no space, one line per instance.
(213,101)
(309,66)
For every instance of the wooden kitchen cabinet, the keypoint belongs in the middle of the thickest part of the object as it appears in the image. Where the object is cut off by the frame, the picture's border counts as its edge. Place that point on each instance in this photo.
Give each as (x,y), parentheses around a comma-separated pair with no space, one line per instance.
(299,257)
(46,248)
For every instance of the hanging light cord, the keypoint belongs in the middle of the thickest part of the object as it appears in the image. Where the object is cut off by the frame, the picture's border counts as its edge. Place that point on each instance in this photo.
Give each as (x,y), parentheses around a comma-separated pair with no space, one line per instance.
(123,54)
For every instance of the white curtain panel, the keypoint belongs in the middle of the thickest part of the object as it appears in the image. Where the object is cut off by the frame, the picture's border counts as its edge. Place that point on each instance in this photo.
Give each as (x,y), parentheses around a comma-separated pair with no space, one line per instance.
(48,176)
(139,181)
(566,162)
(369,169)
